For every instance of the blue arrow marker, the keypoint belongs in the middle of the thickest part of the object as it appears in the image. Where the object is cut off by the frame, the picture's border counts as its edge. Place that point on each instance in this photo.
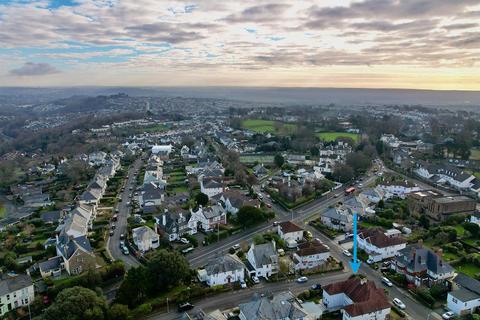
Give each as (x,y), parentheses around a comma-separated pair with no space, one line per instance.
(355,264)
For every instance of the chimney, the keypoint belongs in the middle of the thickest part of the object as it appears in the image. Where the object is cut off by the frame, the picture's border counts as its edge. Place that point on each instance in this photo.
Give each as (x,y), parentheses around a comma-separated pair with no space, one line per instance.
(420,243)
(440,255)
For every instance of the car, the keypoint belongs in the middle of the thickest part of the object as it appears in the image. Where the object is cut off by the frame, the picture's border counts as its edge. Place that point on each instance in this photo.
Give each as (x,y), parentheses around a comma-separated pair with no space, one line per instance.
(113,226)
(347,253)
(268,205)
(243,284)
(275,223)
(122,236)
(111,233)
(302,279)
(360,185)
(370,261)
(183,240)
(255,279)
(317,286)
(185,307)
(236,246)
(122,244)
(335,195)
(387,282)
(187,250)
(399,303)
(348,235)
(128,203)
(448,315)
(125,251)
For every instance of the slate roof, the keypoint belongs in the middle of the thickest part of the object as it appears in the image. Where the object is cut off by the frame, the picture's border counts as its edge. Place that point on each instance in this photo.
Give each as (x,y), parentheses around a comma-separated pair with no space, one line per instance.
(469,288)
(223,264)
(10,284)
(152,192)
(420,259)
(333,213)
(144,233)
(50,216)
(68,246)
(289,226)
(213,211)
(279,307)
(366,297)
(265,254)
(211,183)
(50,264)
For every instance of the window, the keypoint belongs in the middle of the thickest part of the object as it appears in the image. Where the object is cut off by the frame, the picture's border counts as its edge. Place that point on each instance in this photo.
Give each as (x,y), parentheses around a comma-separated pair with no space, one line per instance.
(454,300)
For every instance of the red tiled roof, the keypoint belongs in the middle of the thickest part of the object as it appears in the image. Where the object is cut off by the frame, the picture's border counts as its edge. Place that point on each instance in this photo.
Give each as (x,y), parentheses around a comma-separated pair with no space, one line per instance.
(365,295)
(288,226)
(310,248)
(377,237)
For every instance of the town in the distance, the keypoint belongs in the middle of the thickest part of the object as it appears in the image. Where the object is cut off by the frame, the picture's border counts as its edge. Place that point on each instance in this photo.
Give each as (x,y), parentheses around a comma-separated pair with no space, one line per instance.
(145,207)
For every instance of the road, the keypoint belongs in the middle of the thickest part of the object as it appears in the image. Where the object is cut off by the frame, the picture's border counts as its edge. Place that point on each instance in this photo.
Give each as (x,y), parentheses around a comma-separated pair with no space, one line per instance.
(113,242)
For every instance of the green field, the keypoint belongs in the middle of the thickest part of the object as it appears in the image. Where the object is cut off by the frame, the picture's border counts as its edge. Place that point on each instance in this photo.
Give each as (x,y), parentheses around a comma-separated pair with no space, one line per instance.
(2,211)
(332,136)
(254,158)
(268,126)
(475,154)
(469,269)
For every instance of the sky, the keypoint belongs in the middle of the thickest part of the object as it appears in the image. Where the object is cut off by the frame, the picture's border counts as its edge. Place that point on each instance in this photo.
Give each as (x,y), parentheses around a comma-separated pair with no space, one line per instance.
(416,44)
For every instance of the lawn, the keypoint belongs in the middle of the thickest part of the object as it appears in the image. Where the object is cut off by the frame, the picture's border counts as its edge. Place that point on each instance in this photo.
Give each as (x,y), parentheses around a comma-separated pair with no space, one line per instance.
(469,269)
(269,126)
(332,136)
(475,154)
(256,158)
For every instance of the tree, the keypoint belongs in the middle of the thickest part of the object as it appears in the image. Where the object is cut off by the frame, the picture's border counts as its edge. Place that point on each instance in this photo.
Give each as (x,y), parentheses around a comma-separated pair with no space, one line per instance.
(248,216)
(279,160)
(77,303)
(314,151)
(343,173)
(118,312)
(135,287)
(201,199)
(473,228)
(167,269)
(424,222)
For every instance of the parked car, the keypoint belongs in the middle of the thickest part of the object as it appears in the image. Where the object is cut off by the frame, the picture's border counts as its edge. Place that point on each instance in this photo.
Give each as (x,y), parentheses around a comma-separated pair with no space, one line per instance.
(113,226)
(187,250)
(185,307)
(122,236)
(243,284)
(184,240)
(268,205)
(448,315)
(275,223)
(112,233)
(387,282)
(370,261)
(399,303)
(236,246)
(122,244)
(347,253)
(302,279)
(125,251)
(255,279)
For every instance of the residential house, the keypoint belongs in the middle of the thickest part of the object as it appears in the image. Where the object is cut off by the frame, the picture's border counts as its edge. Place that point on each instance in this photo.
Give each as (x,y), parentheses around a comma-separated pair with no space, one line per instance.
(15,291)
(310,255)
(208,218)
(337,219)
(51,268)
(281,306)
(290,232)
(380,244)
(465,295)
(145,238)
(211,186)
(446,175)
(357,298)
(97,158)
(263,259)
(397,188)
(225,269)
(77,254)
(233,200)
(173,225)
(259,170)
(163,151)
(151,196)
(422,266)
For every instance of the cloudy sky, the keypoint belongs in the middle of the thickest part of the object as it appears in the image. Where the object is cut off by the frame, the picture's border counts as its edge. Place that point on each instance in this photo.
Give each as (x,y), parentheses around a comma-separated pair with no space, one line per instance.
(424,44)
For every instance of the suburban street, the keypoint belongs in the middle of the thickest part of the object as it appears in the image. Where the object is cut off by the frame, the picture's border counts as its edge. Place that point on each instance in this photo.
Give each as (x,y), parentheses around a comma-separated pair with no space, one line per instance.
(123,214)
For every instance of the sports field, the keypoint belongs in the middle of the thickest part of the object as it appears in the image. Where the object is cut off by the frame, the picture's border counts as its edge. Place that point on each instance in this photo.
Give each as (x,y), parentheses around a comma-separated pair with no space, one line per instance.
(268,126)
(332,136)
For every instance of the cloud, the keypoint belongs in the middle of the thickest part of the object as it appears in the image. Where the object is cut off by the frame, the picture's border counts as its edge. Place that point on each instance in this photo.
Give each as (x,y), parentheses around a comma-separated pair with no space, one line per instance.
(259,13)
(34,69)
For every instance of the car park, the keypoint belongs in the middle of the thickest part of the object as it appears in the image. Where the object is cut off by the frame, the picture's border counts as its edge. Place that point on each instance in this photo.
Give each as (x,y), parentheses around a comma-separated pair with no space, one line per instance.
(302,279)
(399,303)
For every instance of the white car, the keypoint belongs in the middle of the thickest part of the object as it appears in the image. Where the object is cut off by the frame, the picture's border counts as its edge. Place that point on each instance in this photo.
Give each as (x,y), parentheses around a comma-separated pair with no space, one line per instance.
(347,253)
(387,282)
(302,279)
(399,303)
(255,279)
(448,315)
(184,240)
(243,284)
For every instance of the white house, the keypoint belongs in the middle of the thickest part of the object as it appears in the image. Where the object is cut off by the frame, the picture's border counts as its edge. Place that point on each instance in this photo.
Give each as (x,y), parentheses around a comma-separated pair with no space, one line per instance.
(211,186)
(263,259)
(162,150)
(380,245)
(446,175)
(310,255)
(208,218)
(290,232)
(465,295)
(358,299)
(145,238)
(222,270)
(397,188)
(15,292)
(337,219)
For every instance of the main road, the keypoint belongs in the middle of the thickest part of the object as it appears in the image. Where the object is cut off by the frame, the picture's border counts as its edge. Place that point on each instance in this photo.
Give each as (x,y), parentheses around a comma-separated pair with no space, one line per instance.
(123,207)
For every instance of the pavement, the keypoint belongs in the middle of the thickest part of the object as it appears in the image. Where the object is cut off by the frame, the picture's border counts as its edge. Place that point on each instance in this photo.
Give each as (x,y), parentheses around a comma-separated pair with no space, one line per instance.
(113,243)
